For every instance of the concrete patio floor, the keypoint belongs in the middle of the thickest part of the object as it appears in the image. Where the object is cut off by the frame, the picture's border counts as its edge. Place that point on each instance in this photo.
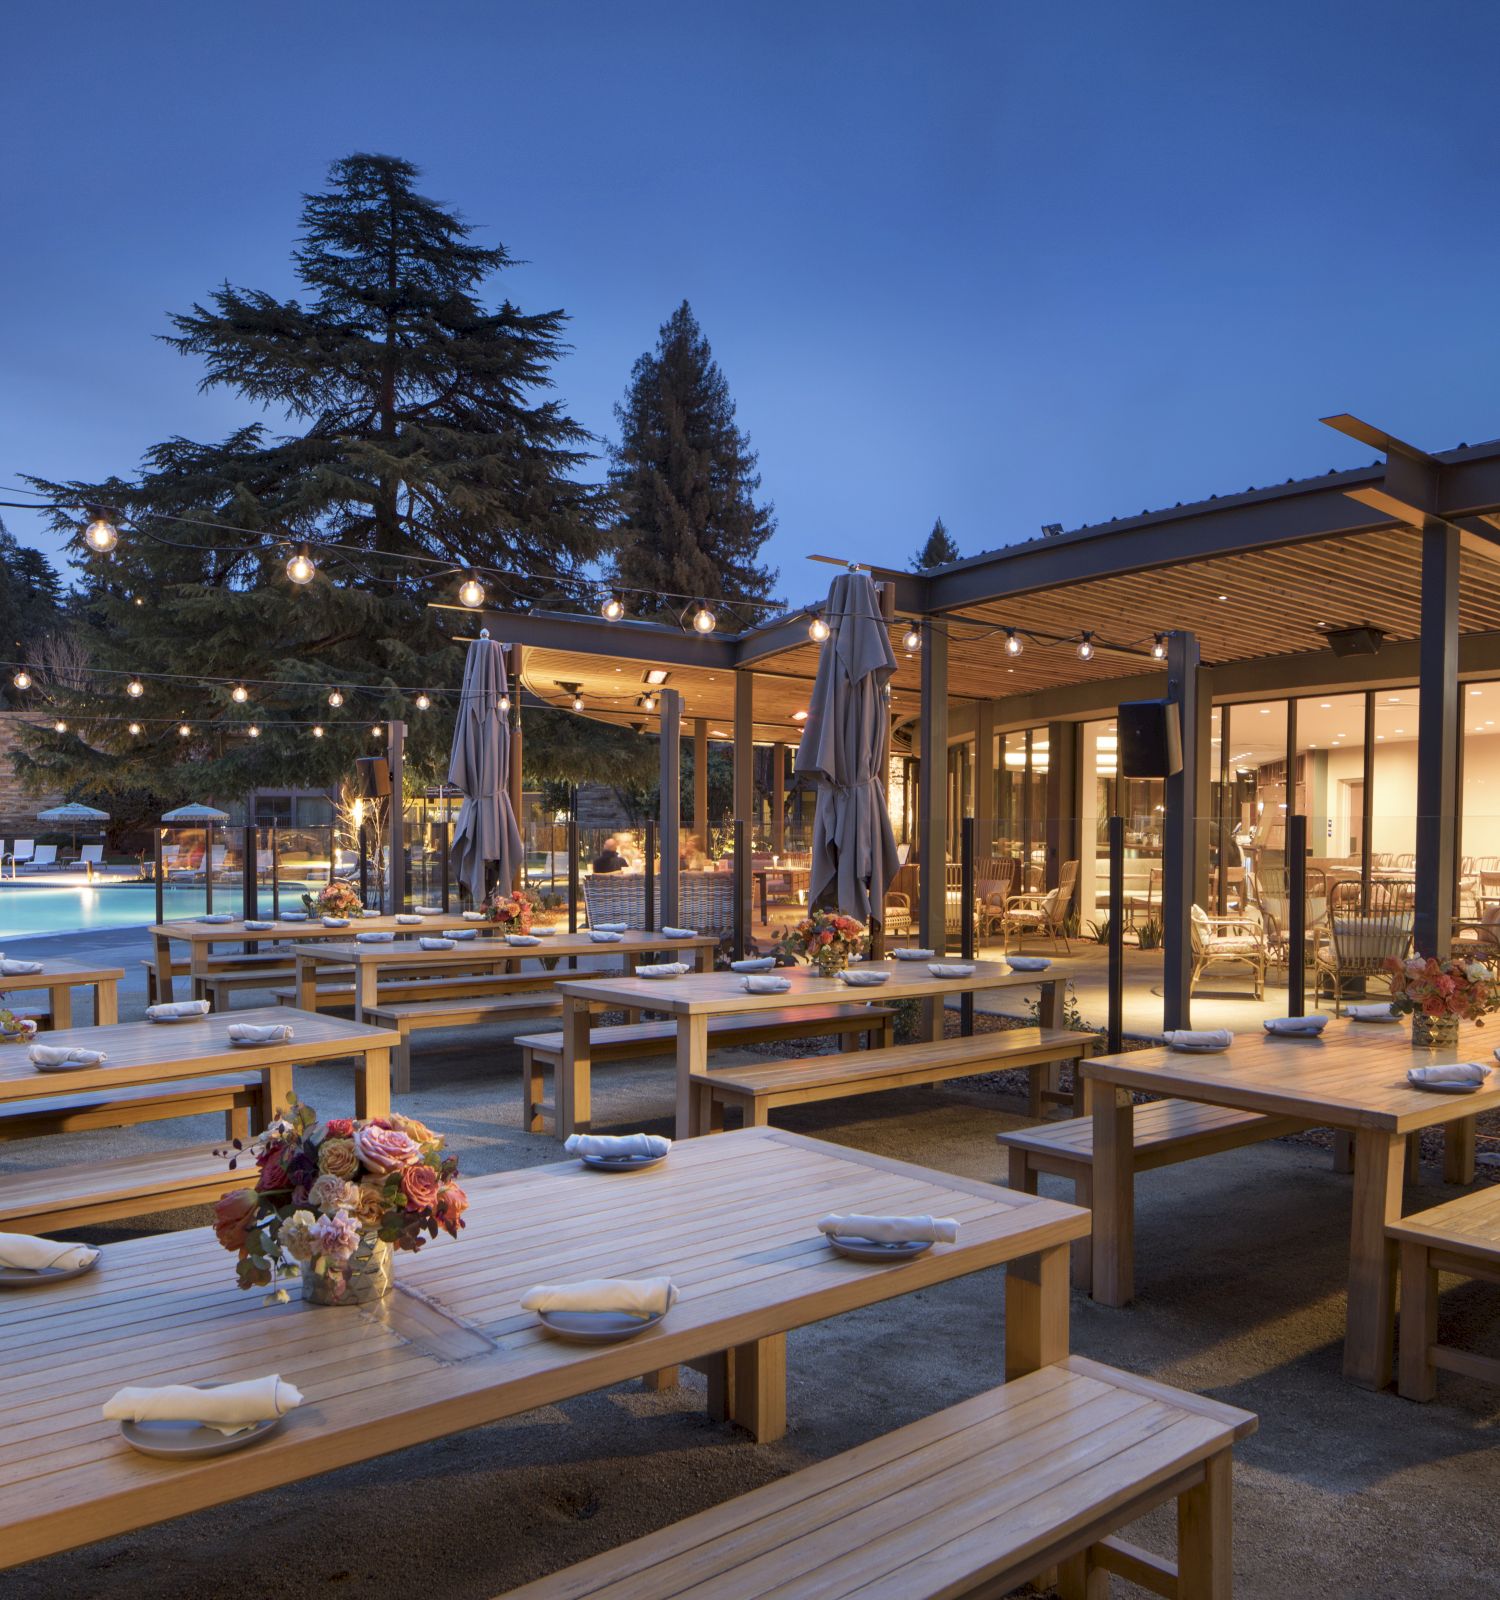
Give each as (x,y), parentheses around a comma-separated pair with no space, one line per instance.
(1241,1295)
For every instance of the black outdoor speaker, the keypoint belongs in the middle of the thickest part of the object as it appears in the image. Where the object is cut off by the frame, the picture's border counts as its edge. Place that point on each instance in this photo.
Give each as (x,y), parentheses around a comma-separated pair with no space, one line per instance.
(1364,641)
(374,776)
(1150,739)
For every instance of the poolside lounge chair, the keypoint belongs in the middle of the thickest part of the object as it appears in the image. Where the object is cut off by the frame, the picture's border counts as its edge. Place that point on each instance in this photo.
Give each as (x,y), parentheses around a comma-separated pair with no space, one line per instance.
(90,855)
(20,856)
(43,859)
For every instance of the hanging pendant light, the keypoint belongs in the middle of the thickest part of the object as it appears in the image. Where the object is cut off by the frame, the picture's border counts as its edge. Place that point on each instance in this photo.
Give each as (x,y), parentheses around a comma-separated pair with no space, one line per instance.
(912,638)
(423,702)
(818,630)
(1086,646)
(239,694)
(704,621)
(135,728)
(22,679)
(101,535)
(335,698)
(1159,649)
(612,609)
(135,688)
(471,592)
(301,568)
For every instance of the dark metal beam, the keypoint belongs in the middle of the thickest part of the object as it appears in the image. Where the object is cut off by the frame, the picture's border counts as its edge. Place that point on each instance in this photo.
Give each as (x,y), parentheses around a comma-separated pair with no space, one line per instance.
(670,811)
(932,828)
(744,784)
(594,636)
(1437,743)
(1180,835)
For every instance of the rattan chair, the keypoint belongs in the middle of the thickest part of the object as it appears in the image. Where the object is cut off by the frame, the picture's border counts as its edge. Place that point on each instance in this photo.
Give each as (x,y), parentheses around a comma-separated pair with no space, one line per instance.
(705,900)
(1359,936)
(1044,913)
(1239,939)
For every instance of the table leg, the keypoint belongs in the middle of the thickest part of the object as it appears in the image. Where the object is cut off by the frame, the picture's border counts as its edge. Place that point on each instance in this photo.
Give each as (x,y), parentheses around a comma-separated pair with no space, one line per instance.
(61,997)
(1379,1167)
(747,1386)
(163,968)
(275,1092)
(366,989)
(571,1086)
(1458,1151)
(1416,1377)
(106,1003)
(372,1084)
(1205,1520)
(692,1061)
(706,958)
(1114,1195)
(307,984)
(1036,1310)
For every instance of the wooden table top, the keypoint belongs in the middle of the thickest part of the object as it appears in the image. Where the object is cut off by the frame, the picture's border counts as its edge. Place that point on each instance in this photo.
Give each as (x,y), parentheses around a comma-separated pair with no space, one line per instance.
(196,931)
(57,970)
(717,993)
(151,1052)
(730,1219)
(1352,1076)
(351,952)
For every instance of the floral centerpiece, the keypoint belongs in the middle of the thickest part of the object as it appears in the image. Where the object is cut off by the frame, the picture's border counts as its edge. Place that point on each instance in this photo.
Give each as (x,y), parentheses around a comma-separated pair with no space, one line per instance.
(333,1198)
(338,899)
(1440,994)
(827,939)
(511,913)
(14,1028)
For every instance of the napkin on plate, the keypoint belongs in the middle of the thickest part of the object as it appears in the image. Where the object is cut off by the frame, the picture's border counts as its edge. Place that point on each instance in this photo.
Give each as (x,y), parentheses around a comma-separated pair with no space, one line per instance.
(231,1408)
(913,955)
(428,911)
(679,933)
(260,1032)
(464,933)
(611,927)
(662,969)
(766,983)
(605,936)
(640,1297)
(1454,1072)
(523,939)
(177,1008)
(26,1253)
(1028,963)
(216,916)
(890,1230)
(611,1144)
(294,916)
(10,967)
(1379,1012)
(376,936)
(407,918)
(1198,1039)
(862,980)
(1313,1025)
(335,922)
(55,1055)
(259,927)
(473,916)
(433,943)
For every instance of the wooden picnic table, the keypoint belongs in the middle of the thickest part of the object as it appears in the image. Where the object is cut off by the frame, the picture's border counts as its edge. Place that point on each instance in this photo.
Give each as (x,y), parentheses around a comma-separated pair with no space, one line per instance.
(695,997)
(731,1220)
(60,977)
(370,961)
(1351,1078)
(160,1052)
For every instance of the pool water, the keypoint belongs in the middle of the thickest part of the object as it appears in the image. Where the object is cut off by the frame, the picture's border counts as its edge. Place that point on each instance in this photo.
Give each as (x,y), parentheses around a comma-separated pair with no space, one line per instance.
(32,908)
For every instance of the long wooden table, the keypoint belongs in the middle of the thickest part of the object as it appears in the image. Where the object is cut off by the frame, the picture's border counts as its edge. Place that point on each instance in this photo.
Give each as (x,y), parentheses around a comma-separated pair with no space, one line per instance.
(1352,1078)
(731,1220)
(155,1052)
(60,977)
(370,961)
(695,997)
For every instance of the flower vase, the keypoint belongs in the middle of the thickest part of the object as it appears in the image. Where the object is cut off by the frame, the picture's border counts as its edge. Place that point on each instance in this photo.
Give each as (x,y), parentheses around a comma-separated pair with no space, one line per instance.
(831,958)
(364,1278)
(1433,1033)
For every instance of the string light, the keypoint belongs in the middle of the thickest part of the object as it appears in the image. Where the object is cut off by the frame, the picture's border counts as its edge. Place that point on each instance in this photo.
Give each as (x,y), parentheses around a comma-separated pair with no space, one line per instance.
(335,698)
(135,688)
(1013,645)
(301,568)
(612,609)
(101,535)
(378,731)
(505,702)
(135,729)
(817,629)
(912,638)
(59,726)
(423,702)
(649,703)
(239,694)
(253,731)
(22,679)
(578,702)
(1086,645)
(471,592)
(704,621)
(183,731)
(317,730)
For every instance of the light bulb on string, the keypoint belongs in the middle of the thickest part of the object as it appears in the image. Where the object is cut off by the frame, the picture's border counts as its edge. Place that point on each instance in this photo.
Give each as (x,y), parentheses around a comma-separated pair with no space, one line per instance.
(423,702)
(301,568)
(505,702)
(183,731)
(378,731)
(135,688)
(612,609)
(649,703)
(912,638)
(818,630)
(1086,646)
(135,729)
(101,536)
(253,731)
(239,694)
(704,621)
(317,730)
(471,592)
(59,726)
(22,679)
(1013,645)
(1159,648)
(578,702)
(335,698)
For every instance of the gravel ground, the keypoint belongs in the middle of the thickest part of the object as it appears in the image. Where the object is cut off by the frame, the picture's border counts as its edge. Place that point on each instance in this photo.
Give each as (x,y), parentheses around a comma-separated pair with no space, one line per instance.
(1240,1270)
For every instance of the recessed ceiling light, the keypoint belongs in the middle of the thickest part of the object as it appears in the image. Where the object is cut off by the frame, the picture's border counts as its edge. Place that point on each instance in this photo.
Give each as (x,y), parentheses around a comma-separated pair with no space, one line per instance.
(656,675)
(1400,730)
(1475,693)
(1265,711)
(1223,596)
(799,716)
(1323,705)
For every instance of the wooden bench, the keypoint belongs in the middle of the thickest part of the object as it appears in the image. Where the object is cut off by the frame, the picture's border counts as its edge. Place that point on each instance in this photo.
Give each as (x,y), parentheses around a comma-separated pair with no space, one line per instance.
(54,1199)
(1463,1237)
(974,1501)
(407,1016)
(416,987)
(542,1052)
(181,966)
(1166,1132)
(238,1097)
(757,1089)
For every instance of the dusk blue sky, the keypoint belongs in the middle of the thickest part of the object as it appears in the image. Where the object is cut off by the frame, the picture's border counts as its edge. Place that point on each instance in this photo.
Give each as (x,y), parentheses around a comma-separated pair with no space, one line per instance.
(1010,264)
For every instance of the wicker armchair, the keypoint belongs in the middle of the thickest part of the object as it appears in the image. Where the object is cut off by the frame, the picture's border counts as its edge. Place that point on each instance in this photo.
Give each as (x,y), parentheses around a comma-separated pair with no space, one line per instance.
(1354,945)
(1043,913)
(1238,939)
(705,900)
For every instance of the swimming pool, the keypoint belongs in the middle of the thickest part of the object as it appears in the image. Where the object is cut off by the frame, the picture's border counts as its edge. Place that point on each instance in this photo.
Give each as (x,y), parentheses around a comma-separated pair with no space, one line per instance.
(33,908)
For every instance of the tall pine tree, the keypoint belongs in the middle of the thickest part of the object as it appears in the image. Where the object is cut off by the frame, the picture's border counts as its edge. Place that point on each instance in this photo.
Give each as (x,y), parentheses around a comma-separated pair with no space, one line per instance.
(938,550)
(30,608)
(421,425)
(685,478)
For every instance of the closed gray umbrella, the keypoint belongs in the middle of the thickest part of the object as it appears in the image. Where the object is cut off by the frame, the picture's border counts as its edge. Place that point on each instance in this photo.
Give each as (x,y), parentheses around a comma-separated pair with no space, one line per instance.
(479,766)
(844,747)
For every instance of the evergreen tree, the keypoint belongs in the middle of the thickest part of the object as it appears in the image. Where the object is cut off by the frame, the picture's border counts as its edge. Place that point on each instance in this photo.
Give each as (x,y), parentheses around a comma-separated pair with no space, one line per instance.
(422,427)
(938,550)
(30,608)
(685,478)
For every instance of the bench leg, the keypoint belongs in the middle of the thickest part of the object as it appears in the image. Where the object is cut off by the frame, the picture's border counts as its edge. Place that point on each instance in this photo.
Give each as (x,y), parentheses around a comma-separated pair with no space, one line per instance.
(531,1088)
(372,1085)
(401,1064)
(1114,1195)
(1379,1162)
(1343,1150)
(275,1093)
(1416,1377)
(1022,1174)
(1458,1151)
(1205,1533)
(237,1124)
(1414,1157)
(662,1378)
(1036,1311)
(1083,1249)
(1080,1578)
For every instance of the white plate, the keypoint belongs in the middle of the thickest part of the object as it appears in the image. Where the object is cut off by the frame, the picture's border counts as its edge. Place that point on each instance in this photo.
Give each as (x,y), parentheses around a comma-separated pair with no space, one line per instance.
(34,1277)
(596,1327)
(1447,1088)
(877,1249)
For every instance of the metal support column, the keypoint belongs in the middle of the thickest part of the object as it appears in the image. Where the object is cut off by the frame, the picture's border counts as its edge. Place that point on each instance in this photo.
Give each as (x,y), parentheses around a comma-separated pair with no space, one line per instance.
(515,775)
(984,778)
(1060,826)
(700,780)
(671,807)
(1437,742)
(966,832)
(1296,916)
(1116,1004)
(932,825)
(744,785)
(573,858)
(250,873)
(1180,863)
(778,798)
(395,738)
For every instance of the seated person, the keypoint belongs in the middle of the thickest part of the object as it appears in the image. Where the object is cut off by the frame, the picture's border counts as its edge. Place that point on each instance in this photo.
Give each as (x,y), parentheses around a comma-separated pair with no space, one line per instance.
(691,856)
(609,858)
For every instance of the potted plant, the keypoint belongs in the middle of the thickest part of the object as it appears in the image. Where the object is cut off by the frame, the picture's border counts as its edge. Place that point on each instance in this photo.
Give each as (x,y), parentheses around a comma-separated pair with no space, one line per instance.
(826,939)
(1439,994)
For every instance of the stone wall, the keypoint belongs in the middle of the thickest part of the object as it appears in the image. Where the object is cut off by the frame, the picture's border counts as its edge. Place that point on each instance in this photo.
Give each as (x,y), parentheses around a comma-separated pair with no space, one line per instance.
(17,809)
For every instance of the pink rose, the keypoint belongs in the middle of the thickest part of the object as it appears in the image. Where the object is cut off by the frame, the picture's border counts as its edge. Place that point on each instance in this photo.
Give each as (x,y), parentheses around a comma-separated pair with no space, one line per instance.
(452,1202)
(386,1149)
(419,1184)
(233,1215)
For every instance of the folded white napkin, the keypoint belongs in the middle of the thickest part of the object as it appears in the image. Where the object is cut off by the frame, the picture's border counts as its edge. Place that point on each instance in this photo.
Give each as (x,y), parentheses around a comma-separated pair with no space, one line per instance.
(890,1230)
(464,933)
(662,969)
(54,1055)
(435,944)
(376,936)
(260,1032)
(543,933)
(29,1254)
(1311,1024)
(428,911)
(604,936)
(914,955)
(216,916)
(177,1008)
(231,1408)
(641,1297)
(611,927)
(1199,1039)
(10,967)
(679,933)
(1456,1072)
(1378,1012)
(335,922)
(766,983)
(1027,963)
(294,916)
(951,969)
(407,918)
(473,916)
(259,927)
(753,964)
(610,1144)
(522,938)
(863,980)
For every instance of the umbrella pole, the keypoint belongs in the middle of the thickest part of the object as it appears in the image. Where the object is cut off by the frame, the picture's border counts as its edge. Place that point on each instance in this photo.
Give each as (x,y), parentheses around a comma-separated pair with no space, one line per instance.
(573,859)
(966,917)
(208,867)
(161,834)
